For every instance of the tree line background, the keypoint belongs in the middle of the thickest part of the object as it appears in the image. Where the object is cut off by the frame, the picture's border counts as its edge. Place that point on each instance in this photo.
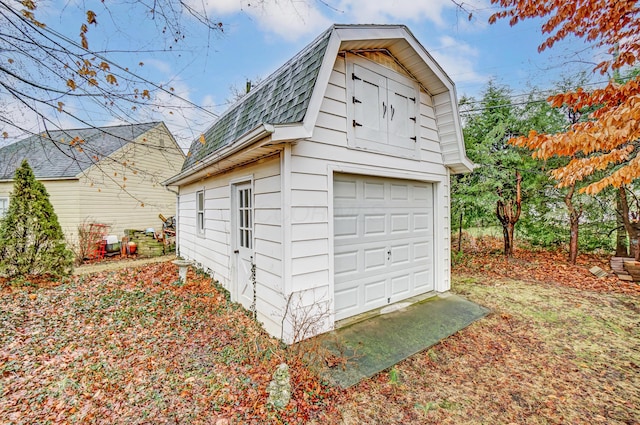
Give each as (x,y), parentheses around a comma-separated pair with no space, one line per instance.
(513,195)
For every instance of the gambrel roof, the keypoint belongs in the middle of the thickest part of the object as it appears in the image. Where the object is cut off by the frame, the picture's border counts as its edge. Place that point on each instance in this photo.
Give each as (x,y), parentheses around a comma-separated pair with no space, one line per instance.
(281,99)
(285,106)
(62,154)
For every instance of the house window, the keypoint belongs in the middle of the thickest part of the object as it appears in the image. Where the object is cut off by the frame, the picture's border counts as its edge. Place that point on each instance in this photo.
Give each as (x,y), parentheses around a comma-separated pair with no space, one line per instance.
(4,206)
(245,218)
(383,109)
(200,212)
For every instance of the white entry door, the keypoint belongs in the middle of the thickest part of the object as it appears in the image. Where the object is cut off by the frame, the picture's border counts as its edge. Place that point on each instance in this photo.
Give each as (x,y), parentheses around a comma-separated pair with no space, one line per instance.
(383,242)
(243,243)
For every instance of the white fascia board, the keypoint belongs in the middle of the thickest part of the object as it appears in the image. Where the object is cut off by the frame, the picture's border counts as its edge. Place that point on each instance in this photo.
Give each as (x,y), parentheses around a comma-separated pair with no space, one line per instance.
(373,32)
(429,60)
(465,162)
(289,132)
(462,166)
(324,74)
(44,179)
(250,137)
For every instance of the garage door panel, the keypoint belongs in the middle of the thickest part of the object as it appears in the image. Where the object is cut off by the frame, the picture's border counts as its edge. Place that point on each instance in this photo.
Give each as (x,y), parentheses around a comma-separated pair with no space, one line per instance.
(374,224)
(375,293)
(423,193)
(345,226)
(400,285)
(423,281)
(399,192)
(399,254)
(374,259)
(373,191)
(344,189)
(422,221)
(346,300)
(400,222)
(345,263)
(383,241)
(422,250)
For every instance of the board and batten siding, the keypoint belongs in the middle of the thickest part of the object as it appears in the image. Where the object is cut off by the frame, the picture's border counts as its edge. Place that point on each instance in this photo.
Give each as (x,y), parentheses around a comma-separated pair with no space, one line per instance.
(313,162)
(64,196)
(212,251)
(124,190)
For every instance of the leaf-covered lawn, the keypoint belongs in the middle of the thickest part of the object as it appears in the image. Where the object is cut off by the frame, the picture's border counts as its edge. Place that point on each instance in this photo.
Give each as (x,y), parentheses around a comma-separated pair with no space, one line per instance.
(560,347)
(134,347)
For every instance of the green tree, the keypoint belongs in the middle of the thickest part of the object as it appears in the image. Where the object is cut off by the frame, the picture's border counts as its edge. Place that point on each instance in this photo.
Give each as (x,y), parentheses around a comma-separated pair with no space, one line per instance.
(493,190)
(549,215)
(31,239)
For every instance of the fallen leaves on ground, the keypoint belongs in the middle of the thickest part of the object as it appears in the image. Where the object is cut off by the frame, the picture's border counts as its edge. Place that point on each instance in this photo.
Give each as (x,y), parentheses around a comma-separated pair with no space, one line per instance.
(560,346)
(138,347)
(540,266)
(510,368)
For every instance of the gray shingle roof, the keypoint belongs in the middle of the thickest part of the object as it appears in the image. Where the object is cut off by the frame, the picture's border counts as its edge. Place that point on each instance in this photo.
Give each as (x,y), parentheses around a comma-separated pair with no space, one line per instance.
(56,156)
(282,98)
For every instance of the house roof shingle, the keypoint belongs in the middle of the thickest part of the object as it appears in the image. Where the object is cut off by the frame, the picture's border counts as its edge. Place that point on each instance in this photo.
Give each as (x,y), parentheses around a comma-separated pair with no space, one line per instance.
(58,156)
(282,98)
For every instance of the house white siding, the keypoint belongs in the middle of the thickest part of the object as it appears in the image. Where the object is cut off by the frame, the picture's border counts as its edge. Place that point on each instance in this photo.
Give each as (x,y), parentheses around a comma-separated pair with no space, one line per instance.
(122,190)
(213,251)
(364,106)
(313,165)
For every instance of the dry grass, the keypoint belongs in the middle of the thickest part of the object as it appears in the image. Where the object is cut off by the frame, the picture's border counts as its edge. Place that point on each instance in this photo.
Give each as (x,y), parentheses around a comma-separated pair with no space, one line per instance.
(548,354)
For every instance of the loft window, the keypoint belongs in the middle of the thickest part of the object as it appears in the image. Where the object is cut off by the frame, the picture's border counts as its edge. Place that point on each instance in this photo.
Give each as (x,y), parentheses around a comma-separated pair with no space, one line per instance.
(383,109)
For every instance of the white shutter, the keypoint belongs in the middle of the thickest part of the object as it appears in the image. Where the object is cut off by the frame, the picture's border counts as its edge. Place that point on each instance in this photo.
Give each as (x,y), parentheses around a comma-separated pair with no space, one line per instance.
(369,96)
(384,108)
(403,116)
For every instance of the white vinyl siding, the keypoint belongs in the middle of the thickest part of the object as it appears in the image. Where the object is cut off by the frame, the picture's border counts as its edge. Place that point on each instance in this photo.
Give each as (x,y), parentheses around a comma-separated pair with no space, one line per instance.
(214,253)
(297,260)
(312,190)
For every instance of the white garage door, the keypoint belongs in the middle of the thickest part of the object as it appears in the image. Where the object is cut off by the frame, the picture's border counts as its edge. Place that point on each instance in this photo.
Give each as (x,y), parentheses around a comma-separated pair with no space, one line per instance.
(383,244)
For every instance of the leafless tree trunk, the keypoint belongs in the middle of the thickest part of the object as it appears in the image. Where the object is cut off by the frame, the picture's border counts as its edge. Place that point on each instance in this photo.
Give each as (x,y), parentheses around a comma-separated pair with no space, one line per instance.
(621,233)
(509,214)
(574,222)
(631,230)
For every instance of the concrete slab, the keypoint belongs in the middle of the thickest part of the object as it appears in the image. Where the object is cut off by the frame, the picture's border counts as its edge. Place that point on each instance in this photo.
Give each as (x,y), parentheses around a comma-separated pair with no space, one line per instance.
(377,343)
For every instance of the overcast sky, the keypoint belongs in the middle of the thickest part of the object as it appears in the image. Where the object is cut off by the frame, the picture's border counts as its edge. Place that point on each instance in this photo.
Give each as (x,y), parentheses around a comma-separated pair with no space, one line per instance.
(261,35)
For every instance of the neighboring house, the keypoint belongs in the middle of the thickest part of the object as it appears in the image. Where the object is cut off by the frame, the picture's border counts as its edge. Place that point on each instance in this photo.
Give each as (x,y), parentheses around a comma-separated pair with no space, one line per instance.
(324,193)
(109,175)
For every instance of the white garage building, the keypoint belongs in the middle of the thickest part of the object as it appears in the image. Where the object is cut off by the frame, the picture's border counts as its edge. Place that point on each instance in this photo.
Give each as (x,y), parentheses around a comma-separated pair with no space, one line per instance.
(324,193)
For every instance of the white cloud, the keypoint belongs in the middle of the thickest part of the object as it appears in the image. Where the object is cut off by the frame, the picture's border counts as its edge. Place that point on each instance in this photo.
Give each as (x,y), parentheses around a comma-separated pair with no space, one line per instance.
(293,19)
(396,11)
(458,60)
(288,19)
